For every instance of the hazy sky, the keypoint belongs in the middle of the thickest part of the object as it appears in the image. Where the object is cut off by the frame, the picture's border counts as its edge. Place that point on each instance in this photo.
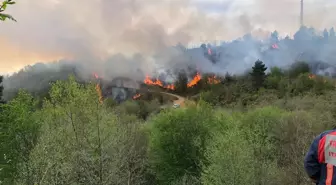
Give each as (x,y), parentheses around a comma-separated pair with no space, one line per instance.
(49,30)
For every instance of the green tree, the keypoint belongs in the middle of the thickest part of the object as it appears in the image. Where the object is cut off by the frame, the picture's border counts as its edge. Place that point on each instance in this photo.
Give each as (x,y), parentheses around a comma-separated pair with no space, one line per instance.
(258,74)
(274,77)
(181,82)
(230,160)
(178,140)
(19,127)
(3,7)
(83,142)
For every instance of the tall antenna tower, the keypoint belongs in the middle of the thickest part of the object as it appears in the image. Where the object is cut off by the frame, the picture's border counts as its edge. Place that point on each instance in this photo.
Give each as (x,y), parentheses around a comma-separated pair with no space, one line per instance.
(301,14)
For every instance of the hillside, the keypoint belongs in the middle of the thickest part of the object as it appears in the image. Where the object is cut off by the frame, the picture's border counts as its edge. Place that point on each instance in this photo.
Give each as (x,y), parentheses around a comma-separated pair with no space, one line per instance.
(247,129)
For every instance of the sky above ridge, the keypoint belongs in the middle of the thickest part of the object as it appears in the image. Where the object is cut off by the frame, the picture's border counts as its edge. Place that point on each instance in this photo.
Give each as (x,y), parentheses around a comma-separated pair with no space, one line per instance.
(49,30)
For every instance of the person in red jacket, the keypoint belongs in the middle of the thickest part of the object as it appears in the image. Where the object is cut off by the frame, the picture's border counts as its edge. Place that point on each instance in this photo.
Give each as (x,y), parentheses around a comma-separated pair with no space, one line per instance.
(320,161)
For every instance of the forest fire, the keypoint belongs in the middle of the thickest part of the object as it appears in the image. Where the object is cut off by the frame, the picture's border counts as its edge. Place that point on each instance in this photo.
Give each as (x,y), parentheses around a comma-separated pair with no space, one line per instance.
(157,82)
(195,80)
(191,83)
(311,76)
(213,80)
(136,96)
(98,89)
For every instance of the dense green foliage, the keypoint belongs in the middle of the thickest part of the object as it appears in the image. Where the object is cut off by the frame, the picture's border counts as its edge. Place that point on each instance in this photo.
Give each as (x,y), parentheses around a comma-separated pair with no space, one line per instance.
(249,129)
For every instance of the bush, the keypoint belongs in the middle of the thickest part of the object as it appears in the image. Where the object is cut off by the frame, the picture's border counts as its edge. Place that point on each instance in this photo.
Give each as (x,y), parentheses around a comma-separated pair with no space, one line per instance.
(302,84)
(19,131)
(229,155)
(142,109)
(293,136)
(178,140)
(258,127)
(245,152)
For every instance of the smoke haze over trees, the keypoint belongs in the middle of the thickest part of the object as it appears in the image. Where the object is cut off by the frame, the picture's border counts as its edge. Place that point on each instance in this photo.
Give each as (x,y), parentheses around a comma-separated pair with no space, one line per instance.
(233,57)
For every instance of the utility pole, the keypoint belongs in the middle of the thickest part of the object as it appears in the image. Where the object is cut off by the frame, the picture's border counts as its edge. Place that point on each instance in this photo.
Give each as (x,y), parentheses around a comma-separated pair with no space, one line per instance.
(301,14)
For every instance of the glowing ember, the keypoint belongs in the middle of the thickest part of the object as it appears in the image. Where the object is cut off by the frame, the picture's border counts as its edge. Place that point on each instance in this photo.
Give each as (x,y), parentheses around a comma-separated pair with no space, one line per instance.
(311,76)
(136,96)
(213,80)
(170,86)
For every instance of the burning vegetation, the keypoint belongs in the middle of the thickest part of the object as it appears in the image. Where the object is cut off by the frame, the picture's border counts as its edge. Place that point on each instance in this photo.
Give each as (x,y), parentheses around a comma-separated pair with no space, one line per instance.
(158,82)
(194,81)
(311,76)
(208,79)
(136,96)
(98,89)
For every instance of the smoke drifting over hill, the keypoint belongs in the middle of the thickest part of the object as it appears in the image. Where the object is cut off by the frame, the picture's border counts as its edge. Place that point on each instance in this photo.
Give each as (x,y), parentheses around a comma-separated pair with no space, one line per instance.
(134,37)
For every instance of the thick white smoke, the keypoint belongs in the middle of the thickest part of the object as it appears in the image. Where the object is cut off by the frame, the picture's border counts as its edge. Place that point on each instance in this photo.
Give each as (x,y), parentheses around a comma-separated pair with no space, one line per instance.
(96,29)
(122,37)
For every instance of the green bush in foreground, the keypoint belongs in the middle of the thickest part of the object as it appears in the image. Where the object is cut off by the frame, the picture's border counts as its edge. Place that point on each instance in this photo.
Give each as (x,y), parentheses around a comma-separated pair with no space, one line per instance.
(262,146)
(19,131)
(178,140)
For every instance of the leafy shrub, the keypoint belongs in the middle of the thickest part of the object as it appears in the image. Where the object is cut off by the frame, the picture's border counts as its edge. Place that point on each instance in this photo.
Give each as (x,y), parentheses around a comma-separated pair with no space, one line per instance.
(178,140)
(229,156)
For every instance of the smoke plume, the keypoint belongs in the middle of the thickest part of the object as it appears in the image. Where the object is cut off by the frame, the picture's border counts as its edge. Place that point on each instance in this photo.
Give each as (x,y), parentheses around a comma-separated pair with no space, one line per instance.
(135,37)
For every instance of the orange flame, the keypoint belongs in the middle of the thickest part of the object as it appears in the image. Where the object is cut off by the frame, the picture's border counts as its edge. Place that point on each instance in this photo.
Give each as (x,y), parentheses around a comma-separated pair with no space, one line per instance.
(98,89)
(311,76)
(213,80)
(150,82)
(170,86)
(136,96)
(195,80)
(157,82)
